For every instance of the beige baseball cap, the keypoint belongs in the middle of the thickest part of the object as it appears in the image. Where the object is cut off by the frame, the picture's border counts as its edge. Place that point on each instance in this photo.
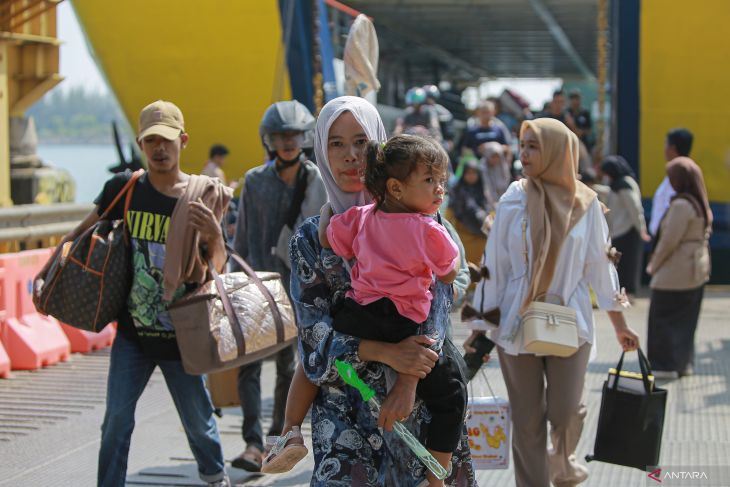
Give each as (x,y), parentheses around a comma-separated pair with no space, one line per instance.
(161,118)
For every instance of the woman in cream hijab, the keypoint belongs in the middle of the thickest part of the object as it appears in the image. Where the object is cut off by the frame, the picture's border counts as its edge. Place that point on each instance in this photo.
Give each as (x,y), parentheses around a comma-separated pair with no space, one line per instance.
(549,238)
(349,448)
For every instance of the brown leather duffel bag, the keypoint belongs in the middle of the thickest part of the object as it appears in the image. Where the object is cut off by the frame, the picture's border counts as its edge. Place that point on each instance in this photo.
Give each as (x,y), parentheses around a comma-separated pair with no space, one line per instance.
(88,282)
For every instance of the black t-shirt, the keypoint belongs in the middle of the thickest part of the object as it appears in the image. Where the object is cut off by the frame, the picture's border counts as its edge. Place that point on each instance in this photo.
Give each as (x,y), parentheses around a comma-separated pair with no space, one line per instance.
(477,136)
(148,220)
(582,119)
(547,114)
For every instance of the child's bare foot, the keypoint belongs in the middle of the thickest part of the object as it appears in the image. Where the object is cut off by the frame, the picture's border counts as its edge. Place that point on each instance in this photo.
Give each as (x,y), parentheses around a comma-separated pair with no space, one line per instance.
(286,451)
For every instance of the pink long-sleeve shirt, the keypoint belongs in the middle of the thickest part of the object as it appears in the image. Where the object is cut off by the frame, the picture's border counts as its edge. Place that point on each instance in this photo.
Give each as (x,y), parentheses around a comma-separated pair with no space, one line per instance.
(396,253)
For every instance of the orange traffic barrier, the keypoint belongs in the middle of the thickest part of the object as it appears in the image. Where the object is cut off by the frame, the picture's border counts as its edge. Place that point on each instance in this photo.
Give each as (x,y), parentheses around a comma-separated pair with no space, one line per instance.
(83,341)
(4,363)
(30,339)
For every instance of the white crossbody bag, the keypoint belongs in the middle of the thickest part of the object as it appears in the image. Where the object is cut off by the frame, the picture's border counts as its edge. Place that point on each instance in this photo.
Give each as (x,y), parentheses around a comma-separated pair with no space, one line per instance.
(548,329)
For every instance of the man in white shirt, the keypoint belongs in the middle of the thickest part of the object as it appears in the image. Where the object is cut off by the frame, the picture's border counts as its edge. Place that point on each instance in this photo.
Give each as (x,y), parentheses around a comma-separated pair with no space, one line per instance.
(678,143)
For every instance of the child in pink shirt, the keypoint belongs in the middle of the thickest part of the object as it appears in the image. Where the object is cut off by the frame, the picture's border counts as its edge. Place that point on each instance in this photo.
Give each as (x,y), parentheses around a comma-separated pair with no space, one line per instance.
(397,247)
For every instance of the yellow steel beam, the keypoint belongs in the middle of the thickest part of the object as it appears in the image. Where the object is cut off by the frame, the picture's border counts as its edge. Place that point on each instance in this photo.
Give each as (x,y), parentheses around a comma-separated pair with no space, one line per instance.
(21,11)
(27,99)
(4,128)
(28,67)
(41,10)
(19,38)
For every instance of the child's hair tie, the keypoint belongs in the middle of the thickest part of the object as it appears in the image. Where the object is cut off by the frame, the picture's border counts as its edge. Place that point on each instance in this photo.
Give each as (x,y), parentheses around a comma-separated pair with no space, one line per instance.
(382,145)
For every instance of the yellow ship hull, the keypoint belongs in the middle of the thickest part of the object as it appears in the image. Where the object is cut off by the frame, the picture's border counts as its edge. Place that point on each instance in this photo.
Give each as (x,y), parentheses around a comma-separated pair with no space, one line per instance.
(222,62)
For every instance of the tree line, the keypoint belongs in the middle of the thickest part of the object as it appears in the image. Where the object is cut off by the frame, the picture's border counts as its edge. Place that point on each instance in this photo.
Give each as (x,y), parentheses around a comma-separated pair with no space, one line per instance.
(75,115)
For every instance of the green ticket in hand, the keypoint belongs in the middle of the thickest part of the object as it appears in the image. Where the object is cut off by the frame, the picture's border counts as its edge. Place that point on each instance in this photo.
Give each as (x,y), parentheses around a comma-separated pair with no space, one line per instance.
(348,374)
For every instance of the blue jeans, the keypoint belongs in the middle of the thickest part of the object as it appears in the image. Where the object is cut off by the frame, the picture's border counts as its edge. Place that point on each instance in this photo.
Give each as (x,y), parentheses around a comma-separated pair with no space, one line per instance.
(249,393)
(129,372)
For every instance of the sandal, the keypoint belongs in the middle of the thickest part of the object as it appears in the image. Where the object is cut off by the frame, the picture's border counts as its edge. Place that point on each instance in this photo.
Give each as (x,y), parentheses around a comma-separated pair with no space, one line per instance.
(284,455)
(249,460)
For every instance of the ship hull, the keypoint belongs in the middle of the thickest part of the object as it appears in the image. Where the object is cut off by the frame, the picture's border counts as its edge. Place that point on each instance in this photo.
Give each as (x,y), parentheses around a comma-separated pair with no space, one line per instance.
(222,62)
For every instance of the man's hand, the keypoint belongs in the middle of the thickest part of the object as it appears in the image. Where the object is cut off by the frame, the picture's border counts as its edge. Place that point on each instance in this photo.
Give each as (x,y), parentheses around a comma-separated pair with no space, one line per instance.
(398,405)
(203,220)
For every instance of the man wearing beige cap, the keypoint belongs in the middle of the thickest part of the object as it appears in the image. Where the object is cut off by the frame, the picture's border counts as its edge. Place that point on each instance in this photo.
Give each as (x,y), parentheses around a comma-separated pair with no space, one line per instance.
(146,338)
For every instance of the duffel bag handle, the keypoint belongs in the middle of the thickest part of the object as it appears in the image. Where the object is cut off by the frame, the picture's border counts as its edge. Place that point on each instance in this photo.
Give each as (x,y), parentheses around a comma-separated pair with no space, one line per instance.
(278,321)
(228,306)
(643,365)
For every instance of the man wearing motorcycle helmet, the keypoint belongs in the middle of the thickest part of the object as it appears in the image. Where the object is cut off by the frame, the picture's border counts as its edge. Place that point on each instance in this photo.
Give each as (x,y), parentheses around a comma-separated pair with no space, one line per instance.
(445,117)
(419,117)
(275,198)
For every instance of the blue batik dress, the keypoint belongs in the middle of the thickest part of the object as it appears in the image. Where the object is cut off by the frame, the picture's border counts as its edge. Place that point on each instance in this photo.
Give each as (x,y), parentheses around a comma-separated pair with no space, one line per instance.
(349,448)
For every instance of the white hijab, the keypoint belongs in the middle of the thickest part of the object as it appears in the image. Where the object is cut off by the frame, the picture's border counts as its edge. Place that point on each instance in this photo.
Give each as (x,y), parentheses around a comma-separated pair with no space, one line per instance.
(367,116)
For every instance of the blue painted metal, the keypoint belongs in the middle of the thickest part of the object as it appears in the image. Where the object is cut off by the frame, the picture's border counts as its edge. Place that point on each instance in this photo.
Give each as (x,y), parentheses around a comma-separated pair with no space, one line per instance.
(296,20)
(626,16)
(327,54)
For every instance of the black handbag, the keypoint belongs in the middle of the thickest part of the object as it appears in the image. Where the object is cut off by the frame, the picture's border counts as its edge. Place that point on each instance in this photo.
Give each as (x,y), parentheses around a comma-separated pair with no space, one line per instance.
(630,423)
(89,279)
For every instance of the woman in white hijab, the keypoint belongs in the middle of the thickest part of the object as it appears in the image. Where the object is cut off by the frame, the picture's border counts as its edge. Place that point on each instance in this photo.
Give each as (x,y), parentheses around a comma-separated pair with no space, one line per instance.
(497,175)
(349,448)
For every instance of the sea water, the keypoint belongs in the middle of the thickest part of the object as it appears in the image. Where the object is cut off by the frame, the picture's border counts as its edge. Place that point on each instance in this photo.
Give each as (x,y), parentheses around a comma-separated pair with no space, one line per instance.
(88,165)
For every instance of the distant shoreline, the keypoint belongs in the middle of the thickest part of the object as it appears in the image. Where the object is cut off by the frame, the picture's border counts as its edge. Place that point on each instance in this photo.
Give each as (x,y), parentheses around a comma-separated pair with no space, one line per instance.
(96,140)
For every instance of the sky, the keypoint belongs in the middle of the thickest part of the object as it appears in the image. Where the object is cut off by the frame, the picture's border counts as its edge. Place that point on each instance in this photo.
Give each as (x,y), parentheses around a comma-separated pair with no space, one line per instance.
(76,63)
(79,68)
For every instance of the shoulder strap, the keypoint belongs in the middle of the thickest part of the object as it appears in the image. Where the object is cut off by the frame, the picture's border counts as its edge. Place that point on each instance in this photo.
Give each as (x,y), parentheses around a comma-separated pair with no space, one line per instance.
(298,197)
(126,189)
(128,200)
(525,249)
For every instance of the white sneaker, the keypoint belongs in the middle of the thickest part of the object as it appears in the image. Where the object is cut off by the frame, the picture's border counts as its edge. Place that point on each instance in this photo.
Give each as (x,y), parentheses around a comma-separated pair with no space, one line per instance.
(224,482)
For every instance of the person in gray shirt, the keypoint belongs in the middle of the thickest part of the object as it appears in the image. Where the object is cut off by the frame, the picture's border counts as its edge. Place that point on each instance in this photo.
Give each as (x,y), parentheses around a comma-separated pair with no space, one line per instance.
(275,198)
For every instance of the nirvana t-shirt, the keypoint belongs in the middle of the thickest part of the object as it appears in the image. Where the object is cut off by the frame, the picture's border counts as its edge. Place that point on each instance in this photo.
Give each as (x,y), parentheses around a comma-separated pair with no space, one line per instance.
(148,220)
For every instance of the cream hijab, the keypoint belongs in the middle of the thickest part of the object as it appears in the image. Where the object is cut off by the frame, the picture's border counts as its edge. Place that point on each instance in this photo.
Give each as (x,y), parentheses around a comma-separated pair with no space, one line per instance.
(556,200)
(369,119)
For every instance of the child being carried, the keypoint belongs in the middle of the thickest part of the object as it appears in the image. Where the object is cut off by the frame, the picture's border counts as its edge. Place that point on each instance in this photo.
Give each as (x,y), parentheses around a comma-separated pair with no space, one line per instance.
(398,247)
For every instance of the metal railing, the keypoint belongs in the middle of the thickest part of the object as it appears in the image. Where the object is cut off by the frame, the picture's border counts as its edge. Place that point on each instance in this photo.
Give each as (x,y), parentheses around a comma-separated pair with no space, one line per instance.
(36,226)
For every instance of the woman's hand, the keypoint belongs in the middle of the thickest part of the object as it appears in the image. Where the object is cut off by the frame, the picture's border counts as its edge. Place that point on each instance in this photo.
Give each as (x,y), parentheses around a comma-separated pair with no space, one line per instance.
(325,214)
(411,356)
(627,338)
(469,349)
(398,405)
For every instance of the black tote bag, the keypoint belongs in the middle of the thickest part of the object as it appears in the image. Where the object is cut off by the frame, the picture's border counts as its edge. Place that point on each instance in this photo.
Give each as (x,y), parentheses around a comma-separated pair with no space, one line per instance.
(630,424)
